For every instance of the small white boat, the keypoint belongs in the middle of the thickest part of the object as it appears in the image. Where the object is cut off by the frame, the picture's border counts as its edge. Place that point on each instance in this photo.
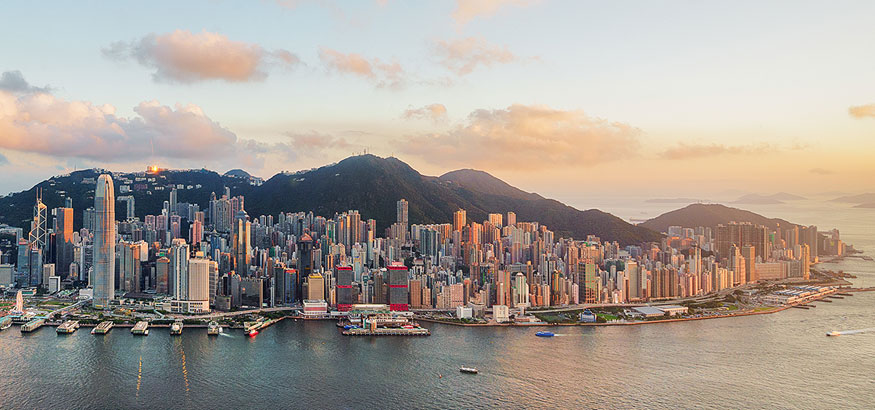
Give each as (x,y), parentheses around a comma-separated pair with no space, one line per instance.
(469,370)
(834,333)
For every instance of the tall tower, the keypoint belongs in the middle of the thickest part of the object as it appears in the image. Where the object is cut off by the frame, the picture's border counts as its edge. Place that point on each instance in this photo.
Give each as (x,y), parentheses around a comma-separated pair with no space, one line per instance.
(64,241)
(38,230)
(104,241)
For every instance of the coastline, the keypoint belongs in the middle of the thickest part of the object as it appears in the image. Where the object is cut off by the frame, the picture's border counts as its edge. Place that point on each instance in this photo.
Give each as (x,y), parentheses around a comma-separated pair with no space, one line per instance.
(767,311)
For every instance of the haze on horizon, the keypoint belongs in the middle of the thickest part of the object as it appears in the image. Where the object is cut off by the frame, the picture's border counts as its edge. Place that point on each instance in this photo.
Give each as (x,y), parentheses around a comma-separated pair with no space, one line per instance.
(664,98)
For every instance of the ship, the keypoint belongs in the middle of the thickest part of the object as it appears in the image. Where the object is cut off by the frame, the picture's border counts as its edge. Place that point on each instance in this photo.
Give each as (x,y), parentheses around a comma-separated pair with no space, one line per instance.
(176,328)
(68,327)
(102,329)
(5,322)
(545,334)
(469,370)
(834,333)
(141,328)
(34,324)
(213,329)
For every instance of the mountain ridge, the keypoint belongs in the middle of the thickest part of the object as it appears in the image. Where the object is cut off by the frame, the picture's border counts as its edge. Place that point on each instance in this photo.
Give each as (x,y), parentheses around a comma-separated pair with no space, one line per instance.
(369,184)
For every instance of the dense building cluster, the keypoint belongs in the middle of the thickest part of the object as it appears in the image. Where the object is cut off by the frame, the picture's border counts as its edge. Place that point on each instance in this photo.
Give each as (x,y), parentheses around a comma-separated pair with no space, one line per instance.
(220,257)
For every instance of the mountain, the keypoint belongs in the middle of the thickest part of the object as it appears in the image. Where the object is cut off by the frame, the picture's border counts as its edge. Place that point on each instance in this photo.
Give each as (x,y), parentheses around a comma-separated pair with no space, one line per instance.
(369,184)
(673,200)
(239,173)
(778,198)
(857,199)
(149,190)
(373,185)
(708,215)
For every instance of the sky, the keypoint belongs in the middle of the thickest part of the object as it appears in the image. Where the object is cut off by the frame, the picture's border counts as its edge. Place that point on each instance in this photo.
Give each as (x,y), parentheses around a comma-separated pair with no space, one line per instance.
(571,99)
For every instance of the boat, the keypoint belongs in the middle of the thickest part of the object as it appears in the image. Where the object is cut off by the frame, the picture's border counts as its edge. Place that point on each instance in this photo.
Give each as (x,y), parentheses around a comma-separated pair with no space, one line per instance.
(834,333)
(34,324)
(213,329)
(102,329)
(5,322)
(469,370)
(347,327)
(545,334)
(68,327)
(141,328)
(176,328)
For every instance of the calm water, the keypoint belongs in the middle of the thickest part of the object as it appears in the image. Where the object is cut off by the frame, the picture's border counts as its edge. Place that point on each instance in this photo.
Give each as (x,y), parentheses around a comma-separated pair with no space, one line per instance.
(781,360)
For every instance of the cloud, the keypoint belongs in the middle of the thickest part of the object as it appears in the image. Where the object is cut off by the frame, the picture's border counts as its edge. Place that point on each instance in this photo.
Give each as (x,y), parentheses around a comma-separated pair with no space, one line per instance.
(313,142)
(389,75)
(186,57)
(3,159)
(862,111)
(434,112)
(13,81)
(44,124)
(689,151)
(821,171)
(527,136)
(462,56)
(467,10)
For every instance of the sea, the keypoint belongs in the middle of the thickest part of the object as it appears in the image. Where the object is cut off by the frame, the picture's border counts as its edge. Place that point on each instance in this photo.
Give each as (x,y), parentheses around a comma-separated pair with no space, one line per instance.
(774,361)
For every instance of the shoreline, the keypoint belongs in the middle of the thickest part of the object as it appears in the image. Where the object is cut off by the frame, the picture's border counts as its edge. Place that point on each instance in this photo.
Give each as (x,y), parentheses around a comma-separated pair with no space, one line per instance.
(767,311)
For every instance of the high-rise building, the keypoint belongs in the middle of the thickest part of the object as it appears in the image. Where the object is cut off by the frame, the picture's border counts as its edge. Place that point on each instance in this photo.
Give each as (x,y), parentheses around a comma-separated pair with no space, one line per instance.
(242,243)
(398,298)
(749,254)
(511,219)
(315,287)
(344,288)
(459,219)
(63,241)
(178,269)
(38,228)
(401,212)
(104,241)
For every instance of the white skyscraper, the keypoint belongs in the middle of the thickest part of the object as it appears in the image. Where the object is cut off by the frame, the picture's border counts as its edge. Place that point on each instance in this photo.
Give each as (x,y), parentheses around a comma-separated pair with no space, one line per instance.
(104,241)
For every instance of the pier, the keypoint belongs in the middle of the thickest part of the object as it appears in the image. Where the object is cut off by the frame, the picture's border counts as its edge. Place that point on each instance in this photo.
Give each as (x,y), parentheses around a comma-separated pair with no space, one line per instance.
(387,332)
(103,328)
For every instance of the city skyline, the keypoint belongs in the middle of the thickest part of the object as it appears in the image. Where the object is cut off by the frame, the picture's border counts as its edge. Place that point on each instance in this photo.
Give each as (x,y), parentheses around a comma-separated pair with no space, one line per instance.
(637,87)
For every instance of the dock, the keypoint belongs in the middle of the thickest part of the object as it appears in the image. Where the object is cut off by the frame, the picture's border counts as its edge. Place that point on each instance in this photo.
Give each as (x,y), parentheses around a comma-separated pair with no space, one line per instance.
(141,328)
(102,329)
(68,327)
(34,324)
(420,331)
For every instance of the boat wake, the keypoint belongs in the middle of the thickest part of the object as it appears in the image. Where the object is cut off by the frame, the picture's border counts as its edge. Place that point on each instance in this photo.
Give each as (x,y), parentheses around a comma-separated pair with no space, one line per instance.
(852,332)
(225,334)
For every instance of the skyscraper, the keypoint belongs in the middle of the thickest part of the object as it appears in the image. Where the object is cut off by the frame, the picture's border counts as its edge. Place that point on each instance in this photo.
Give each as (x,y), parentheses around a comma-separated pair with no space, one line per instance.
(104,241)
(398,298)
(459,219)
(63,241)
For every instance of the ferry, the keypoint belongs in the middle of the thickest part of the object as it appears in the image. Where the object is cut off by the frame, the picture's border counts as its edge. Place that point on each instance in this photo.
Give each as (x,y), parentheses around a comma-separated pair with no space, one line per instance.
(141,328)
(176,328)
(5,322)
(68,327)
(213,329)
(34,324)
(102,329)
(545,334)
(21,319)
(834,333)
(469,370)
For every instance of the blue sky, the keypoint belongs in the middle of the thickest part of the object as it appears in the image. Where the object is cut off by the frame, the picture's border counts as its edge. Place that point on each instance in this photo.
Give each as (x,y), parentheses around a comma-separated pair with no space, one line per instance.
(648,91)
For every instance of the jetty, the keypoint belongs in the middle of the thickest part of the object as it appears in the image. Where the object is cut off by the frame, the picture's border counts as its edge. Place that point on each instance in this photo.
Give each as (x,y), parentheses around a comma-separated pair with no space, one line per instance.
(103,328)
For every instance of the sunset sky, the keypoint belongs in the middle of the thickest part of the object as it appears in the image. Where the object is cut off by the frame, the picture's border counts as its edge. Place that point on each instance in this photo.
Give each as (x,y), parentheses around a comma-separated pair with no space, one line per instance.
(663,98)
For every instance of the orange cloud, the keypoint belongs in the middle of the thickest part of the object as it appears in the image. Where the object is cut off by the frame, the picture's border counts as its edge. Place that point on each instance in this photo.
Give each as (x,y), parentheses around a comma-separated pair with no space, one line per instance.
(183,56)
(434,112)
(34,121)
(862,111)
(389,75)
(467,10)
(688,151)
(527,136)
(464,55)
